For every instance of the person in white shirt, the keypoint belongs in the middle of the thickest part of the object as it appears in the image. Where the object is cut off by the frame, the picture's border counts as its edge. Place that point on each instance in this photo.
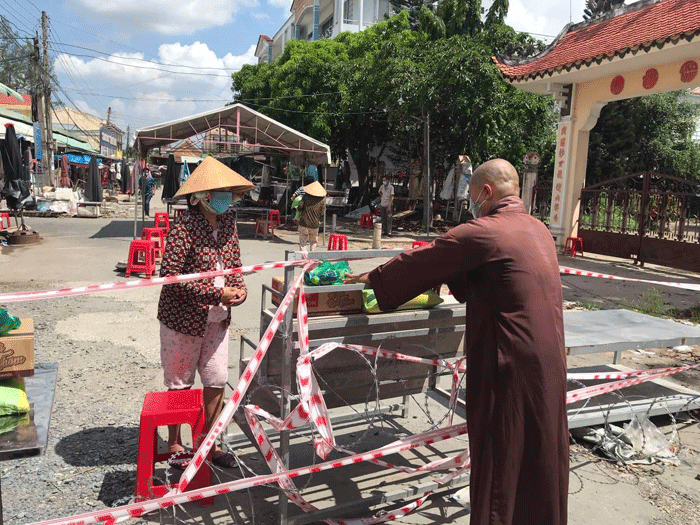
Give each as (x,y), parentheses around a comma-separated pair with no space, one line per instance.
(386,192)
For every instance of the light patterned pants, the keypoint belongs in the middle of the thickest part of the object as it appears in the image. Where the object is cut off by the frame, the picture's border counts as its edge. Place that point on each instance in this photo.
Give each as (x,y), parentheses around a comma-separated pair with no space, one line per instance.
(182,355)
(308,236)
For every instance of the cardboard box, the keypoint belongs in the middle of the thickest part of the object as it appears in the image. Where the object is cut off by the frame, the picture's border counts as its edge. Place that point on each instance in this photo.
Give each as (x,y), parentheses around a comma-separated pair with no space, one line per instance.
(17,351)
(327,303)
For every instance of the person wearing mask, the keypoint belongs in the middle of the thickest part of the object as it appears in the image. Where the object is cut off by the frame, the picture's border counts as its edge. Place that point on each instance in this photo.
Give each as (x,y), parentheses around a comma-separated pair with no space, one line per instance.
(312,210)
(503,264)
(386,203)
(194,316)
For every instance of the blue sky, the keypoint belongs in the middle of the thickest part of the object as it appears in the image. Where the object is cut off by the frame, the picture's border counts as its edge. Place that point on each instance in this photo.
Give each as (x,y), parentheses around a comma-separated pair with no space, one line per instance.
(157,60)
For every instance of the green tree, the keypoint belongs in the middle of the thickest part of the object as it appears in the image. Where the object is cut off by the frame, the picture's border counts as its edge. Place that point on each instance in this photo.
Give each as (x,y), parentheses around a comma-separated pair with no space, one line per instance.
(15,58)
(497,13)
(647,133)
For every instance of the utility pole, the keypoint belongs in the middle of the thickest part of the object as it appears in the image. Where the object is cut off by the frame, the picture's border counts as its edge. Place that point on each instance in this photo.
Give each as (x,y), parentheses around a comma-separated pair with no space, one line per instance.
(427,204)
(109,114)
(39,94)
(46,74)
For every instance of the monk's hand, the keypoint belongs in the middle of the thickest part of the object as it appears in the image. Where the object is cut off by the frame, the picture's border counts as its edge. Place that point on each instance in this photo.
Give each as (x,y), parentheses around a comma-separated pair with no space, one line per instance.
(351,278)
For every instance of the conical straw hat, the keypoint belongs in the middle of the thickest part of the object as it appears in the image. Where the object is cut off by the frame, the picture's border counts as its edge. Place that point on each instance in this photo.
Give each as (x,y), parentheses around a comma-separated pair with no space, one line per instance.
(315,189)
(212,174)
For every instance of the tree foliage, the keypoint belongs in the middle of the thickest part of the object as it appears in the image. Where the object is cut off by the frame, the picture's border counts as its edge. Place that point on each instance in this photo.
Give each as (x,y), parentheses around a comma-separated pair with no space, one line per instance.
(367,89)
(15,65)
(648,133)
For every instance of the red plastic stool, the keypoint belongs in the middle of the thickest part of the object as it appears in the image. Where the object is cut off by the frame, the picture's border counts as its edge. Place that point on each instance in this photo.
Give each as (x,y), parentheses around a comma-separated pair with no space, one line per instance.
(274,217)
(173,407)
(416,244)
(151,233)
(260,228)
(573,245)
(162,220)
(337,242)
(366,221)
(3,217)
(134,263)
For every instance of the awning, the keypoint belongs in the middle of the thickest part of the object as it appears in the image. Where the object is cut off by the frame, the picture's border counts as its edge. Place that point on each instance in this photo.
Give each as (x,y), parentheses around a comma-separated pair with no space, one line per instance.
(250,129)
(23,126)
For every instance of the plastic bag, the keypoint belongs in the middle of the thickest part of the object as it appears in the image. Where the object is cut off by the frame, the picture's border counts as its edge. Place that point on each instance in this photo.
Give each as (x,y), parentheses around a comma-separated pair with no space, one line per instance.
(8,322)
(327,273)
(646,438)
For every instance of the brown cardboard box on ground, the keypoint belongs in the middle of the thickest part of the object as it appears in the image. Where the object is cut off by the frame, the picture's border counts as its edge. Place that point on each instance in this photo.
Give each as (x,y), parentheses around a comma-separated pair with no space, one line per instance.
(327,303)
(17,351)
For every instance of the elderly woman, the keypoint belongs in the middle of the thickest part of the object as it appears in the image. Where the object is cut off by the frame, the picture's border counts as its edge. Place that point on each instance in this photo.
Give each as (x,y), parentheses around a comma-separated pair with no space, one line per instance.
(195,315)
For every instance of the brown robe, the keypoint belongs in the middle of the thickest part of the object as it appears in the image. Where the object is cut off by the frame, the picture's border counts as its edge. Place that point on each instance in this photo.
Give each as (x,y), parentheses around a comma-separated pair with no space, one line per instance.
(504,265)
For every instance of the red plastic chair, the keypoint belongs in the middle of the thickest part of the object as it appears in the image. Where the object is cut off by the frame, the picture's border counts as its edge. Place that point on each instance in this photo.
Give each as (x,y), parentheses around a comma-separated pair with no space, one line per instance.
(4,217)
(139,248)
(366,221)
(274,217)
(573,245)
(150,234)
(162,221)
(173,407)
(260,227)
(337,242)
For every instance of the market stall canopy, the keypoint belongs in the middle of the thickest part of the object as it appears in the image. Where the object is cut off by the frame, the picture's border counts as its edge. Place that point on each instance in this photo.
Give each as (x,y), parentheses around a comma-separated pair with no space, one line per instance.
(252,131)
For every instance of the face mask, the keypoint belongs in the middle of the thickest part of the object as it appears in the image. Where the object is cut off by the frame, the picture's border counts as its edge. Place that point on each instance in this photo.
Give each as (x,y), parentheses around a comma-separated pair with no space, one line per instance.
(219,202)
(386,182)
(475,206)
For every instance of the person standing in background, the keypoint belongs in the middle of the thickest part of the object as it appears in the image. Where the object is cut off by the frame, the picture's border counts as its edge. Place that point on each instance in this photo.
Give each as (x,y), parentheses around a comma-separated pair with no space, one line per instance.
(386,204)
(313,209)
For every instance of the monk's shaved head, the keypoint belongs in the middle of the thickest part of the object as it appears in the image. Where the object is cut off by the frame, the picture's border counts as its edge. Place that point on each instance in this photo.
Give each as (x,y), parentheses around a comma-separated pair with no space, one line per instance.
(500,175)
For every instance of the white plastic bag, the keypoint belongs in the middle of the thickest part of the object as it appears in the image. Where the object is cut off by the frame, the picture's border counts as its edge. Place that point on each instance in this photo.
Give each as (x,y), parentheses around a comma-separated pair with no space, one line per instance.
(448,187)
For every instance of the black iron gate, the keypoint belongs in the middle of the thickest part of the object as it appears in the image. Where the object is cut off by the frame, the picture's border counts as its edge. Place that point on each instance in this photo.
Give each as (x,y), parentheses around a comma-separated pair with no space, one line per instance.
(647,216)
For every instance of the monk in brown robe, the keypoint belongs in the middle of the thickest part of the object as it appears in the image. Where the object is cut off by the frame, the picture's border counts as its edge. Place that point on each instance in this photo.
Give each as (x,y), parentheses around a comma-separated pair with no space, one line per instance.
(504,265)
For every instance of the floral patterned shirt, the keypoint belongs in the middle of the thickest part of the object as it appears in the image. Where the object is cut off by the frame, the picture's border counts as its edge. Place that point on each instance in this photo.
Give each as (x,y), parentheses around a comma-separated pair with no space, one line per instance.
(191,248)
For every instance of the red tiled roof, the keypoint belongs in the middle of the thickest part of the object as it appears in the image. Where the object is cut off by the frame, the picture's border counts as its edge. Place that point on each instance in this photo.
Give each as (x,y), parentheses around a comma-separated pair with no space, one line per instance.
(4,99)
(643,26)
(265,37)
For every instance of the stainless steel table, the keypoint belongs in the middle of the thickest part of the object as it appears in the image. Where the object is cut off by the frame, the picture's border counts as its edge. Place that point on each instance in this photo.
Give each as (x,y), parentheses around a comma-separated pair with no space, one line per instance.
(31,433)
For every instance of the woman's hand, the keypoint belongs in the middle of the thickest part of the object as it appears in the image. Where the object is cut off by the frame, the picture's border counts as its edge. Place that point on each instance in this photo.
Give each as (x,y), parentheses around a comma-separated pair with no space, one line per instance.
(355,279)
(233,296)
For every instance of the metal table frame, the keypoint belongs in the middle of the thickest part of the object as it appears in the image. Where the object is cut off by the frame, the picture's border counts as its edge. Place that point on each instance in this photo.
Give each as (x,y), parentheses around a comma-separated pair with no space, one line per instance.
(287,329)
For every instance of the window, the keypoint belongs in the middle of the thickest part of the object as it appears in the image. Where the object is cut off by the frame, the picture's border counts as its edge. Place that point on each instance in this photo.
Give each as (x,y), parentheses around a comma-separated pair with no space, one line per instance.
(327,28)
(349,11)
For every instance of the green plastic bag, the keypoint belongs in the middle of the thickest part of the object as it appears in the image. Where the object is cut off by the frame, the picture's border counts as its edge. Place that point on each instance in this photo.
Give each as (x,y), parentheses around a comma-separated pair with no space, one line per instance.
(13,398)
(423,301)
(327,273)
(8,322)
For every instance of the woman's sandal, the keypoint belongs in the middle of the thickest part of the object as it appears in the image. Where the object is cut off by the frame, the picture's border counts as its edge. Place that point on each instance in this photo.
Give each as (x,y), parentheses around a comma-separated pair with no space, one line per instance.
(225,460)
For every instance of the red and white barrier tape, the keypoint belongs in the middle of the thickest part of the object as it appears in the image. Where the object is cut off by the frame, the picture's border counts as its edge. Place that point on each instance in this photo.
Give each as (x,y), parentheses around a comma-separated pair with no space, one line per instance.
(591,391)
(573,271)
(128,285)
(138,509)
(312,408)
(242,387)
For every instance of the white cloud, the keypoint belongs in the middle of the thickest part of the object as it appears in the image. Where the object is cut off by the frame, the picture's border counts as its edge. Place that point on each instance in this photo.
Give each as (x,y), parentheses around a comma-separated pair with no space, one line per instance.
(544,17)
(169,17)
(261,16)
(183,80)
(283,4)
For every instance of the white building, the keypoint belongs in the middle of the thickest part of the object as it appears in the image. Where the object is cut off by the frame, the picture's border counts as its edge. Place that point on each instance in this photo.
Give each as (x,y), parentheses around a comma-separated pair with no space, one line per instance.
(314,19)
